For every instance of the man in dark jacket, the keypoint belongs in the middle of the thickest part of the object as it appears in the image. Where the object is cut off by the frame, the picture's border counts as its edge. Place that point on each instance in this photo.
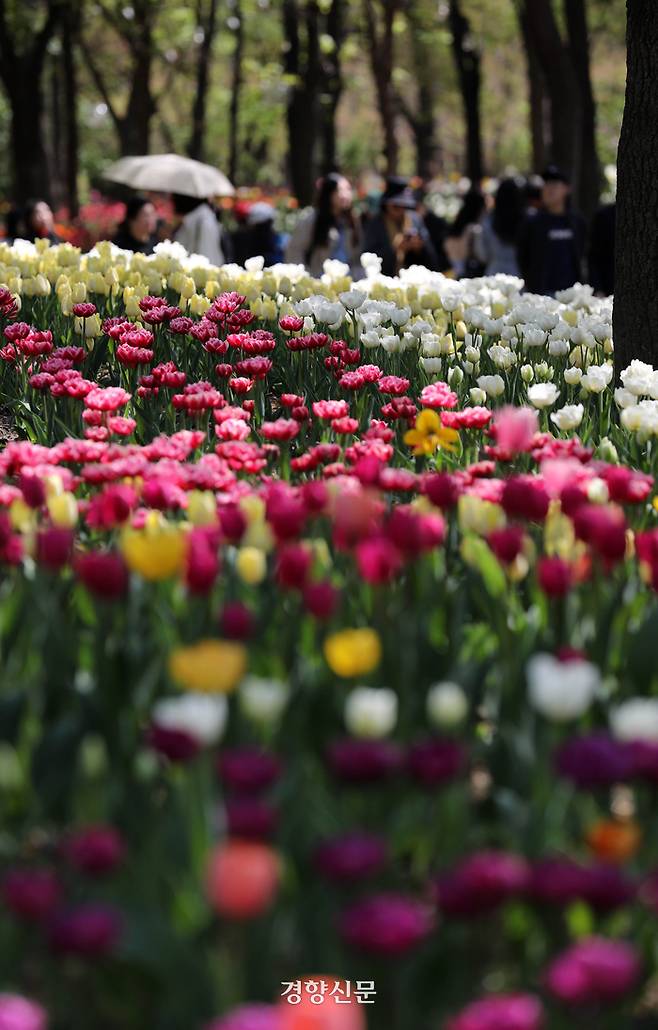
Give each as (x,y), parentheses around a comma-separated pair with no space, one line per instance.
(396,234)
(552,241)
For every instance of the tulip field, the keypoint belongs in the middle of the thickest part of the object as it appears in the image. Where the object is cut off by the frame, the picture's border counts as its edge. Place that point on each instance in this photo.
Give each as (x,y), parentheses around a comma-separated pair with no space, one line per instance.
(328,690)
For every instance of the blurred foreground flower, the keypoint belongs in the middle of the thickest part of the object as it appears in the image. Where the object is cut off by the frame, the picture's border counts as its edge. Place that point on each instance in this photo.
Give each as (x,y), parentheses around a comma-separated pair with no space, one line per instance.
(209,666)
(353,652)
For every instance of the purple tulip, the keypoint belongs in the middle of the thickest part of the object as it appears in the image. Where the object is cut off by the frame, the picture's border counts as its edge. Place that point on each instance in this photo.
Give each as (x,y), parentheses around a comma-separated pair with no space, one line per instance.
(176,745)
(251,818)
(500,1012)
(595,761)
(436,761)
(31,894)
(95,850)
(248,770)
(606,888)
(593,971)
(645,760)
(482,882)
(363,761)
(17,1013)
(557,881)
(351,857)
(89,931)
(386,924)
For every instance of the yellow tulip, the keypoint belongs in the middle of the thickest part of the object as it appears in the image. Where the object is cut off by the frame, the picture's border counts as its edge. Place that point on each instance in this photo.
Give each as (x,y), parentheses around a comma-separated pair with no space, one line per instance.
(156,553)
(202,508)
(353,652)
(251,565)
(63,510)
(209,666)
(21,516)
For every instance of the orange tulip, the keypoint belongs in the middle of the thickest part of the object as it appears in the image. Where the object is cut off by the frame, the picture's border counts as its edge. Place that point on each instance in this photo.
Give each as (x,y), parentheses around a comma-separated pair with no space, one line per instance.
(242,878)
(348,1014)
(613,841)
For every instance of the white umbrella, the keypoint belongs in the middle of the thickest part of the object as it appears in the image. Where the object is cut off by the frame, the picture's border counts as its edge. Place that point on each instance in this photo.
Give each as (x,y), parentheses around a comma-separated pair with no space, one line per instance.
(170,173)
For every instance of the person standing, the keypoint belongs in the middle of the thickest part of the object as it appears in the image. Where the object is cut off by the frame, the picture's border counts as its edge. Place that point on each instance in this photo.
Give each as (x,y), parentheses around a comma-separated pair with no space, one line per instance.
(258,237)
(198,228)
(461,241)
(552,242)
(496,244)
(397,234)
(137,231)
(328,230)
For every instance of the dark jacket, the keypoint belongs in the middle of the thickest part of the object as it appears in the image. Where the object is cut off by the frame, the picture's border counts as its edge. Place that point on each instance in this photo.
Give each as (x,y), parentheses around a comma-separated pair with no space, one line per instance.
(601,252)
(377,241)
(551,249)
(124,240)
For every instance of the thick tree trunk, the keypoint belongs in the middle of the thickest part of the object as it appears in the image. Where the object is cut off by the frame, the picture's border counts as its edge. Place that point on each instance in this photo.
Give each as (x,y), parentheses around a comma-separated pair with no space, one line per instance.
(381,52)
(135,131)
(467,60)
(71,100)
(207,25)
(561,84)
(536,96)
(635,317)
(587,185)
(30,172)
(332,86)
(302,64)
(236,91)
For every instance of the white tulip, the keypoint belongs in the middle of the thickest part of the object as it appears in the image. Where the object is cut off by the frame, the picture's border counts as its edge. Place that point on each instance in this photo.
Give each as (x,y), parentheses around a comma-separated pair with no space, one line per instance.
(569,417)
(200,716)
(446,704)
(561,691)
(636,719)
(263,700)
(543,395)
(493,386)
(371,712)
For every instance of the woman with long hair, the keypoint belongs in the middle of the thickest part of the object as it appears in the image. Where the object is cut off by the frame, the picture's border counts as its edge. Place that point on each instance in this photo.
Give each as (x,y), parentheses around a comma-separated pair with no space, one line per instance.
(137,231)
(497,243)
(328,230)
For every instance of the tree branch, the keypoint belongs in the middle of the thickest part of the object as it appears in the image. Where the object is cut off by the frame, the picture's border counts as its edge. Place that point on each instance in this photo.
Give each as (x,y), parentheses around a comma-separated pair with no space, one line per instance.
(100,85)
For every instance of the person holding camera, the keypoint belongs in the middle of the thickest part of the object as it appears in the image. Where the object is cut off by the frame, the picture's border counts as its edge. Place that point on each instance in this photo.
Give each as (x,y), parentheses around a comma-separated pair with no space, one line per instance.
(397,234)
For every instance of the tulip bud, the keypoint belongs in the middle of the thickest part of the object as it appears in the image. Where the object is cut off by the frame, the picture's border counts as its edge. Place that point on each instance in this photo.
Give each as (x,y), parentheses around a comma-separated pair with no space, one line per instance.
(447,705)
(63,510)
(477,396)
(527,373)
(251,565)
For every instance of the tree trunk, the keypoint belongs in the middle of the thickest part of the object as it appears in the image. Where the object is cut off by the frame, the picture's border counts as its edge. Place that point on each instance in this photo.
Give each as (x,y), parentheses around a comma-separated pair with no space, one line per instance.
(332,85)
(21,72)
(587,185)
(381,52)
(195,147)
(467,60)
(55,133)
(536,96)
(71,101)
(561,84)
(635,317)
(30,173)
(302,65)
(236,90)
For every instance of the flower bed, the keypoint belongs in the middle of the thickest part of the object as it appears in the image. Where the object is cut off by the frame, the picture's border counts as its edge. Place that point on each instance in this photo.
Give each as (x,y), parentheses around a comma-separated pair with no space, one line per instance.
(326,651)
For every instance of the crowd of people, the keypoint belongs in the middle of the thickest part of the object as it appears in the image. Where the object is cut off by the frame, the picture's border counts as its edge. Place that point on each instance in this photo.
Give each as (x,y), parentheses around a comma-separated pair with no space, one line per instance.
(527,228)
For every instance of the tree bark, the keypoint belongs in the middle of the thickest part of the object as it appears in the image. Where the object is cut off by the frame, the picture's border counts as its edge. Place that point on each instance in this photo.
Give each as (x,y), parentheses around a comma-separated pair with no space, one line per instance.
(302,66)
(381,52)
(22,75)
(536,96)
(236,91)
(133,127)
(467,61)
(635,317)
(207,25)
(561,84)
(587,184)
(332,85)
(71,101)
